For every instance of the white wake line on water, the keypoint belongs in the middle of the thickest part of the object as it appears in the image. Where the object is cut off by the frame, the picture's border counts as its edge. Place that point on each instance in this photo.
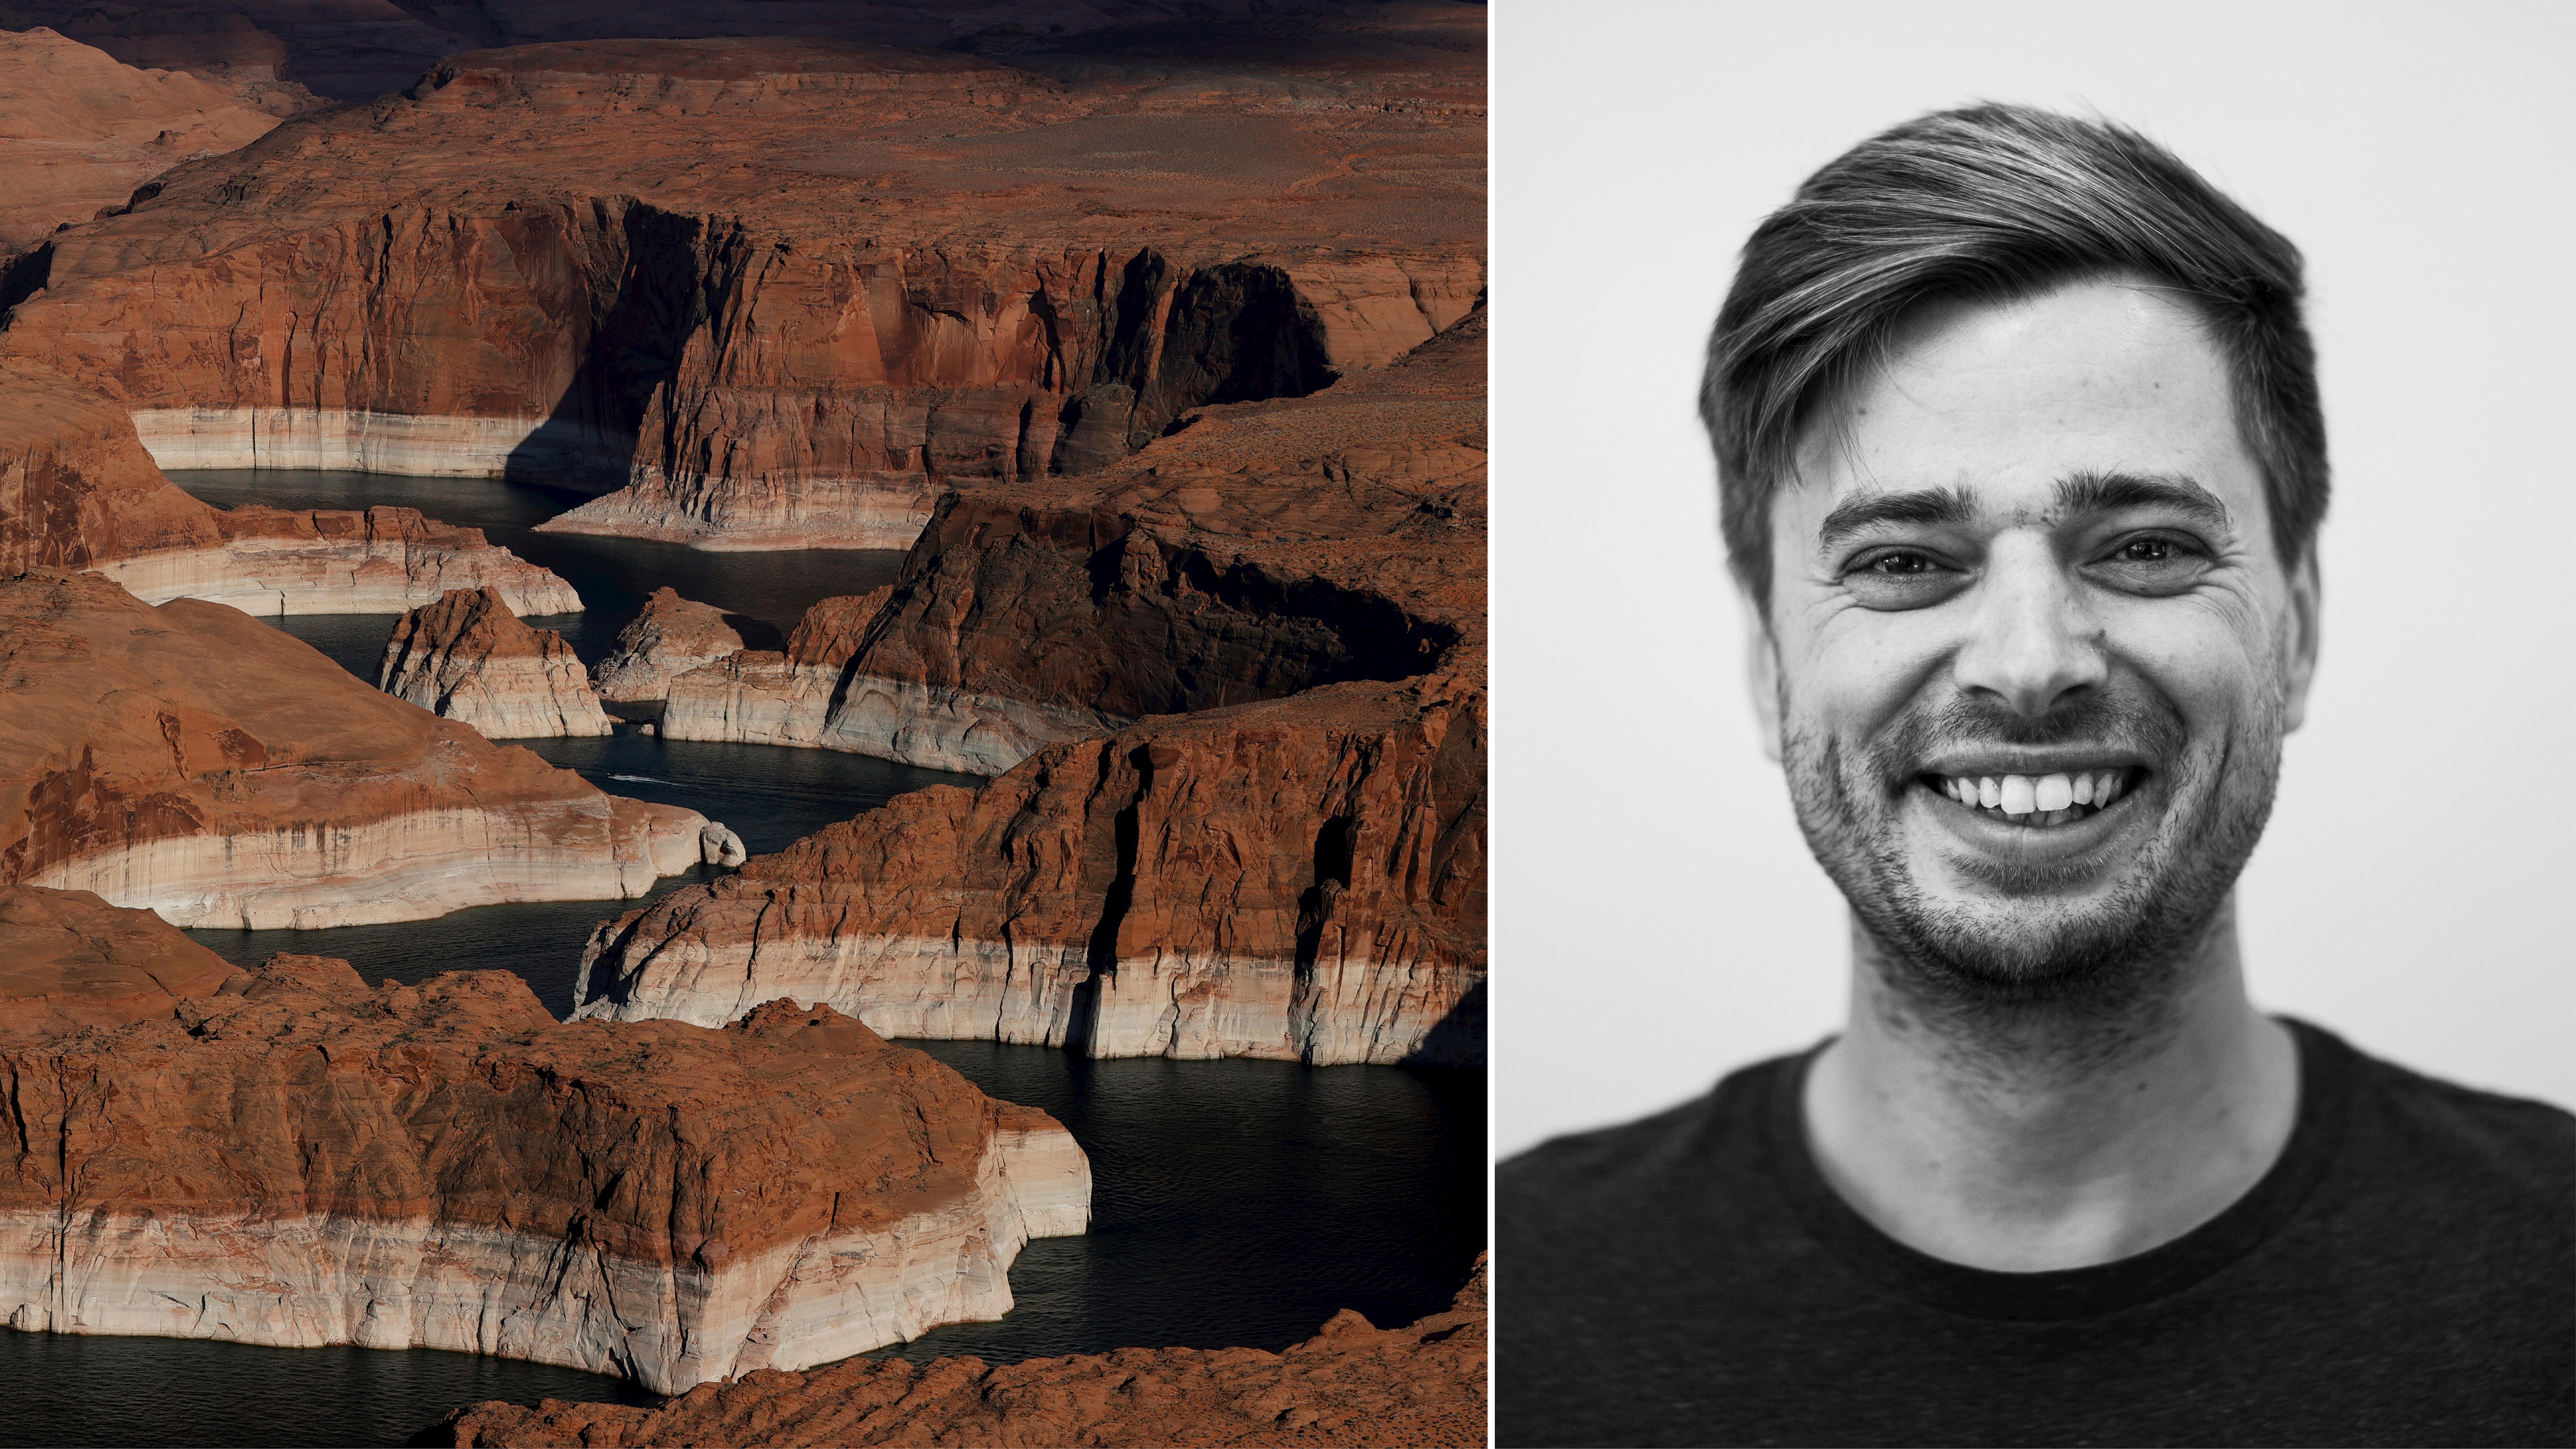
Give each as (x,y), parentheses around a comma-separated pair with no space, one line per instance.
(642,780)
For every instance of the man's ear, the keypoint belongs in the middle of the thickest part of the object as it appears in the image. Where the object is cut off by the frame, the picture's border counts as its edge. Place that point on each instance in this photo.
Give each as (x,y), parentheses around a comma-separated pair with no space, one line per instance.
(2299,654)
(1762,676)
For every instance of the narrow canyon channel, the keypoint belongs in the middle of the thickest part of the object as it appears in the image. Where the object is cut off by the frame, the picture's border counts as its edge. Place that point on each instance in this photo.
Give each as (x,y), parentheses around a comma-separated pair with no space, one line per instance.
(1235,1202)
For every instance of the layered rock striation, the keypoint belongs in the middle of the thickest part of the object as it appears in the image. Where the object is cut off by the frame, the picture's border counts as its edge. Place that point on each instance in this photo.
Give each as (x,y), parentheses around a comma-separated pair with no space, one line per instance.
(296,1159)
(77,491)
(780,293)
(1352,1385)
(190,759)
(468,658)
(1284,859)
(669,638)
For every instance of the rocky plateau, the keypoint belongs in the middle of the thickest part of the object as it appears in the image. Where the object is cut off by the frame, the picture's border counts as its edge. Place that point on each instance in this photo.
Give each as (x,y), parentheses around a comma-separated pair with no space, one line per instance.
(287,1156)
(191,759)
(1352,1385)
(79,131)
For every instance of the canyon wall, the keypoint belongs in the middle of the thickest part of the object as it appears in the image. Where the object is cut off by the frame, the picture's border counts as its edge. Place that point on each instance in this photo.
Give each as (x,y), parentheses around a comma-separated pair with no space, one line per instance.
(193,760)
(77,491)
(1351,1386)
(468,658)
(294,1159)
(731,286)
(1284,858)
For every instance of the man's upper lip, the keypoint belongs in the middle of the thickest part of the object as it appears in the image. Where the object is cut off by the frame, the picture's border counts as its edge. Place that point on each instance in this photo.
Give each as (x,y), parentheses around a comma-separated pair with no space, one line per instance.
(2033,760)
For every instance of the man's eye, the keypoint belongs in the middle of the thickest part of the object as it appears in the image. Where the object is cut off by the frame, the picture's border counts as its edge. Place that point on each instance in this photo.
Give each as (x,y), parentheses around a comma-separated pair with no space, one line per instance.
(2153,563)
(1902,578)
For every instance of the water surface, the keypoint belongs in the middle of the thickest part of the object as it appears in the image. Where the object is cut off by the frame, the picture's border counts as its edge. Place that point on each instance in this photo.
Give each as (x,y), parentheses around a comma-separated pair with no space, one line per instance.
(614,576)
(63,1388)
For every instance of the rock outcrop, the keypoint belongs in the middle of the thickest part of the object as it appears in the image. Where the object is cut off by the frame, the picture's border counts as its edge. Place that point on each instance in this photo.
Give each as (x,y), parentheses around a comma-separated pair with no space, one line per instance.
(1285,859)
(77,491)
(780,293)
(79,132)
(70,961)
(669,638)
(468,658)
(1352,1386)
(193,760)
(297,1159)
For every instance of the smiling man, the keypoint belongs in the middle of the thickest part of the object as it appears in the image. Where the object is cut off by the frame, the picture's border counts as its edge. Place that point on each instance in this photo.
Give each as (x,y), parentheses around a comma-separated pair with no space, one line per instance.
(2021,465)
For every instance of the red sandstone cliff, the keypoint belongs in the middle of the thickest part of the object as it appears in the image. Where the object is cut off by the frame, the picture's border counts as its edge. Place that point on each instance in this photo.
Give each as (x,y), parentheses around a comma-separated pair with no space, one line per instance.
(1351,1386)
(287,1156)
(468,658)
(196,761)
(1299,874)
(779,292)
(77,491)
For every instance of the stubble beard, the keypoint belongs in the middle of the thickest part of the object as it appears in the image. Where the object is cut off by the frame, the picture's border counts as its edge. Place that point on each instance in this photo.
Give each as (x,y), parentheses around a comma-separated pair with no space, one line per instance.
(2025,970)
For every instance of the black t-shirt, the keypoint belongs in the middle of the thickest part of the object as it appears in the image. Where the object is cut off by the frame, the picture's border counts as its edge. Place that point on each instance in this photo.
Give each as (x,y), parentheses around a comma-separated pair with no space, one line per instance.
(2404,1275)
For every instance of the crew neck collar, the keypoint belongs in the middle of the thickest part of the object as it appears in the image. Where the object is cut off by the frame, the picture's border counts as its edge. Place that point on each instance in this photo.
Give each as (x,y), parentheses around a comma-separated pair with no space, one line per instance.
(2324,1076)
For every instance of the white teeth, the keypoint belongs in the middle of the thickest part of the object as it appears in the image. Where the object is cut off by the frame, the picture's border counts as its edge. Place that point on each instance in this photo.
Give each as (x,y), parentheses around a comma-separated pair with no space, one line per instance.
(2051,797)
(2017,795)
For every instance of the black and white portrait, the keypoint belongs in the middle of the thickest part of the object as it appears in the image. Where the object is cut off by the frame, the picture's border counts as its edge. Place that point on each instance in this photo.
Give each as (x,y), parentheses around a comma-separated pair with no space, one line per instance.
(2025,540)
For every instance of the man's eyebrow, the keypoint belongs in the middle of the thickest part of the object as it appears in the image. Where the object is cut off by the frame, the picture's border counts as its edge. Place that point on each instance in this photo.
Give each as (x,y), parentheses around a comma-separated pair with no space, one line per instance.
(2113,492)
(1916,506)
(2087,492)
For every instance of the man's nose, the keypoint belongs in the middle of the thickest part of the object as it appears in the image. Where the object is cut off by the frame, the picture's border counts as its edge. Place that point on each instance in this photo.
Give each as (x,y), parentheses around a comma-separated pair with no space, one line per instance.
(2031,644)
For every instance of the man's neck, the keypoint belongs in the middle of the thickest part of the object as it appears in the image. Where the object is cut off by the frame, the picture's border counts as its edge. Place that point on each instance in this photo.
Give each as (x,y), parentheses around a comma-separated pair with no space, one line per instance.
(2010,1152)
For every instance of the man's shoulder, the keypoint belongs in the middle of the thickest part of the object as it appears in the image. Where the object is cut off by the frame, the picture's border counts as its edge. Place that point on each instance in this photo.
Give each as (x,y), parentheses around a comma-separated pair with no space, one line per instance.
(1612,1172)
(2436,1129)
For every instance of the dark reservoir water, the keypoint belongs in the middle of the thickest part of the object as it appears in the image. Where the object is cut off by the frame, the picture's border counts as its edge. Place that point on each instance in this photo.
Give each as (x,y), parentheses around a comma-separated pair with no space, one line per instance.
(614,576)
(60,1388)
(1234,1202)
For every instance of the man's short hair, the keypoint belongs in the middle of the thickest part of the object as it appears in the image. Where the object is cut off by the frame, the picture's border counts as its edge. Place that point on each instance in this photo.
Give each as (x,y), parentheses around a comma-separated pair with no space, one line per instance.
(1992,203)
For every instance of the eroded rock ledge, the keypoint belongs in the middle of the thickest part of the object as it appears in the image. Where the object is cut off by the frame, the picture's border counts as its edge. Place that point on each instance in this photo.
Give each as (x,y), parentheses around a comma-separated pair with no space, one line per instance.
(289,1157)
(191,759)
(77,491)
(669,638)
(1299,875)
(468,658)
(1351,1385)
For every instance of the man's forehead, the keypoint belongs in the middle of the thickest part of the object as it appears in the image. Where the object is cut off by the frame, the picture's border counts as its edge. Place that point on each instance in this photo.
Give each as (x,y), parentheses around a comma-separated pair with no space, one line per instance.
(2033,408)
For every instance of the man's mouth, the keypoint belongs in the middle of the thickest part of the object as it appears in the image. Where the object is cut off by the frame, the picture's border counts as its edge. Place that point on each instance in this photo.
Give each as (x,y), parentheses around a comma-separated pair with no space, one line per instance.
(2039,801)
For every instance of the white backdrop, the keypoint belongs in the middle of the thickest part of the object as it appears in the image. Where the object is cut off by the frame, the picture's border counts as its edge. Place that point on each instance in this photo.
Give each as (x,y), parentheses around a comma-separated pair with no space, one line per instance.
(1658,920)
